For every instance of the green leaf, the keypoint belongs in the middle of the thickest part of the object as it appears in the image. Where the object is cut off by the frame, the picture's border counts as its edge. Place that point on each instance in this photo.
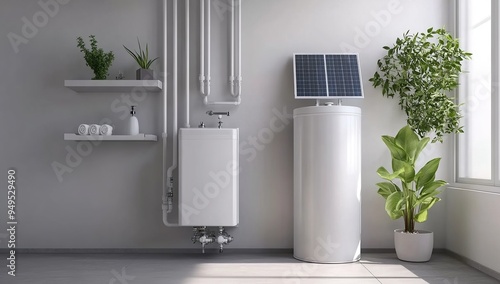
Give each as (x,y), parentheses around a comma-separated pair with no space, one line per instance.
(386,189)
(421,69)
(431,188)
(383,173)
(408,141)
(96,58)
(393,205)
(420,147)
(427,173)
(421,216)
(141,56)
(406,171)
(396,151)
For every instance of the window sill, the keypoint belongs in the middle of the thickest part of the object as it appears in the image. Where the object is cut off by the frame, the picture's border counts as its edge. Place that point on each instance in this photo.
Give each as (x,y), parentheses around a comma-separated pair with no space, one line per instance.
(488,189)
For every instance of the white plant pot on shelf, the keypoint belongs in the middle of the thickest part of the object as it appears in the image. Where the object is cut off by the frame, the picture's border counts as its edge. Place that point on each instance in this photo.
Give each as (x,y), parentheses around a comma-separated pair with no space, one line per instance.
(414,247)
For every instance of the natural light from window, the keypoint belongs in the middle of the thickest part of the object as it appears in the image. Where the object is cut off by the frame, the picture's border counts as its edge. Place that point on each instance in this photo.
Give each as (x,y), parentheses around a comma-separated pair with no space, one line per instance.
(474,147)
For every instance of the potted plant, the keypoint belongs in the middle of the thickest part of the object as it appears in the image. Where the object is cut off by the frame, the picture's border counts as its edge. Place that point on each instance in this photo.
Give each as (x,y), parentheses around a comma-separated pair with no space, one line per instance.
(142,59)
(96,58)
(412,196)
(421,69)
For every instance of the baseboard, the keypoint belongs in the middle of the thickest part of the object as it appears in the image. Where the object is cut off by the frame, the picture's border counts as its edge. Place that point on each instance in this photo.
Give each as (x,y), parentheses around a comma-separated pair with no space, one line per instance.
(144,251)
(378,250)
(181,250)
(392,250)
(474,264)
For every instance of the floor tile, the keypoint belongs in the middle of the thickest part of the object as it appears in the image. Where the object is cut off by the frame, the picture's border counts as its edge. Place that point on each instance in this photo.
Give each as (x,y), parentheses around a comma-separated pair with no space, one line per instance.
(235,268)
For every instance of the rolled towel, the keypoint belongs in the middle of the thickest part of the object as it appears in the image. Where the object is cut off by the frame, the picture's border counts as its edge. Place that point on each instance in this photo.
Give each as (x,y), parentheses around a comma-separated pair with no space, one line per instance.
(83,129)
(94,129)
(106,129)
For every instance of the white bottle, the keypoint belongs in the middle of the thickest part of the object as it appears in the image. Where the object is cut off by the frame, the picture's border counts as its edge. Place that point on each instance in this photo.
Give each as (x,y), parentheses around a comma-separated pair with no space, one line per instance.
(133,123)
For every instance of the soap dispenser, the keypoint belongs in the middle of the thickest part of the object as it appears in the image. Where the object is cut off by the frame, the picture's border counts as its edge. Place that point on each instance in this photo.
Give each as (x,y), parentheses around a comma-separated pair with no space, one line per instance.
(133,123)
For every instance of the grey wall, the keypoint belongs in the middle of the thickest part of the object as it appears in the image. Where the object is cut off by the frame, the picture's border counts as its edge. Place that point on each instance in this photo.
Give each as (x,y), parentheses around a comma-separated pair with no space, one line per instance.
(112,197)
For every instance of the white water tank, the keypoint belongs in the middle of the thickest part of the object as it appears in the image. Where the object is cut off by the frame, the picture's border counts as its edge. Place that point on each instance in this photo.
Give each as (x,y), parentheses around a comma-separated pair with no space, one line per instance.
(327,184)
(208,177)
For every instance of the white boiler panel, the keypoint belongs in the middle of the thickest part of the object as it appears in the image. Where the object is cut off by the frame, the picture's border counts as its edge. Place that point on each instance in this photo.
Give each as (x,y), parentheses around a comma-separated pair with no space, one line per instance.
(327,184)
(208,177)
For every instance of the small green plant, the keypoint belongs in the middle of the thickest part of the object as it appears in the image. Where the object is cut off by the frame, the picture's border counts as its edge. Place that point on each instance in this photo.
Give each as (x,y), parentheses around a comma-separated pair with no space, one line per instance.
(417,191)
(141,56)
(96,58)
(421,69)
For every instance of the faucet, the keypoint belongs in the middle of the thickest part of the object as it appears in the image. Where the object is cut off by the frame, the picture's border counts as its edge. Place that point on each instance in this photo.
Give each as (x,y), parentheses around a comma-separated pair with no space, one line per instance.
(211,112)
(219,116)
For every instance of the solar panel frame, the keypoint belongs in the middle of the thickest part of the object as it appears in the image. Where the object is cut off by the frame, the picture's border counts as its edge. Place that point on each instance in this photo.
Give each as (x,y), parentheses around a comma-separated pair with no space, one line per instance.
(312,85)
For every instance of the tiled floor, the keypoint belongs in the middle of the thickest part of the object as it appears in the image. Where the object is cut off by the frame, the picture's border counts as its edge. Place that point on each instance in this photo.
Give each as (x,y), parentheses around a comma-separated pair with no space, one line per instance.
(234,268)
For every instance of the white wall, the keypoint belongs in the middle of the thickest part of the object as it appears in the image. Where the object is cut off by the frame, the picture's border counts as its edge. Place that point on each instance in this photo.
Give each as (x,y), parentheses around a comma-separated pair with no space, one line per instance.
(112,198)
(472,226)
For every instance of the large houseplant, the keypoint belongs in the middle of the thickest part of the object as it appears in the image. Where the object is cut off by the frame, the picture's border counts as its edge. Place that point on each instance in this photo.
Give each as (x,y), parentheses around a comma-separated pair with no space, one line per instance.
(421,69)
(143,60)
(98,60)
(409,193)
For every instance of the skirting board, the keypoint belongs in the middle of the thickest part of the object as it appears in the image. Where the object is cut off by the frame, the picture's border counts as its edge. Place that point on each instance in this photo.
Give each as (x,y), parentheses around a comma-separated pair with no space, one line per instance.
(474,264)
(145,251)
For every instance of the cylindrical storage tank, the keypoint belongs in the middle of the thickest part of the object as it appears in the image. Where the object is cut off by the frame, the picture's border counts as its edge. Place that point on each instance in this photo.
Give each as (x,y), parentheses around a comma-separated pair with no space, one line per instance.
(327,184)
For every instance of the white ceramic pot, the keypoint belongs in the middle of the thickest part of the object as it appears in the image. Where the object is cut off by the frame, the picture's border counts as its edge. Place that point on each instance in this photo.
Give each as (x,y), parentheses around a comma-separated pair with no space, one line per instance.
(414,247)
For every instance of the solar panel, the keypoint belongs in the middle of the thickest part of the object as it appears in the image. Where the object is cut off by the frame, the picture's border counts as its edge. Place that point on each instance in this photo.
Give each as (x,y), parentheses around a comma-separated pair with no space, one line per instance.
(324,76)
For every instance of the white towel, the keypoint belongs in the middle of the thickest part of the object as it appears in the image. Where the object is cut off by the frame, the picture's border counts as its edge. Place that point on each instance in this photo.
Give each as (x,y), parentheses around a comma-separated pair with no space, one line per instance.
(83,129)
(106,129)
(94,129)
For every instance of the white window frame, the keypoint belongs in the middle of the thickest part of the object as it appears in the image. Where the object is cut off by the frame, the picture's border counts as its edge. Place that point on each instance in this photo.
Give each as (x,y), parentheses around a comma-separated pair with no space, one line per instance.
(492,185)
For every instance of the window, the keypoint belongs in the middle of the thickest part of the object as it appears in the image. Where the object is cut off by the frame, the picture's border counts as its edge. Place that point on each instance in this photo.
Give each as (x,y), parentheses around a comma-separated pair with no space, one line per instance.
(478,148)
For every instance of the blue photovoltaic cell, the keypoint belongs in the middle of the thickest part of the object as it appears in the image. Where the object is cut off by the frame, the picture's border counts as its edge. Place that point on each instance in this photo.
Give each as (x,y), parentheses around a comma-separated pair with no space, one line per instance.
(327,75)
(343,75)
(310,77)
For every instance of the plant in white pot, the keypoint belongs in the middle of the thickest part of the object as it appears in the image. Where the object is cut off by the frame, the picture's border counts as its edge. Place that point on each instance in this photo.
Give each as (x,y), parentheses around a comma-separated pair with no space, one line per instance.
(421,69)
(142,59)
(409,193)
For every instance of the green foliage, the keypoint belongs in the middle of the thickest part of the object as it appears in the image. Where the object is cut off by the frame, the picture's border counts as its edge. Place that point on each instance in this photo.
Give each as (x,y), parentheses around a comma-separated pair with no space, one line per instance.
(141,56)
(421,69)
(96,58)
(418,189)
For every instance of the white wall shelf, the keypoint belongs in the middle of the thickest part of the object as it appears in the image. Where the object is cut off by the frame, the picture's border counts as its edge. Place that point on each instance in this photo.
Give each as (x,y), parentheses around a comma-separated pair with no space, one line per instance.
(139,137)
(113,86)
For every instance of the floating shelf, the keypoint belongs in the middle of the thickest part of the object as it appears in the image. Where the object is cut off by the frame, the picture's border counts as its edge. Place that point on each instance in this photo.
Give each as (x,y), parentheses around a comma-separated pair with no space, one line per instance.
(113,86)
(139,137)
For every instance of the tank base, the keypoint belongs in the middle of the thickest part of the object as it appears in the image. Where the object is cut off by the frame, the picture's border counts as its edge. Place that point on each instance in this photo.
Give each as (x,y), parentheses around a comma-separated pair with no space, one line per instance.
(326,262)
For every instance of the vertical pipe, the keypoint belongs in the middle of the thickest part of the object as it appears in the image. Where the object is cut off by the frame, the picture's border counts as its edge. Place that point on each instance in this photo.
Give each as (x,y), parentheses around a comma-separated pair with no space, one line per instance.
(202,47)
(495,102)
(164,91)
(174,109)
(231,76)
(187,64)
(175,85)
(165,205)
(240,78)
(209,49)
